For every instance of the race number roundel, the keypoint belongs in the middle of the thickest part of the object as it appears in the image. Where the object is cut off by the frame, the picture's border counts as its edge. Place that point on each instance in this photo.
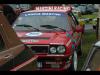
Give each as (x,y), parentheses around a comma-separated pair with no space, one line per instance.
(34,34)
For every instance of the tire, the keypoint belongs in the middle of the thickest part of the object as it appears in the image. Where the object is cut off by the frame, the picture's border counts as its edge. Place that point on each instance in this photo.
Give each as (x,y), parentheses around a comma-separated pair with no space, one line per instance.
(74,64)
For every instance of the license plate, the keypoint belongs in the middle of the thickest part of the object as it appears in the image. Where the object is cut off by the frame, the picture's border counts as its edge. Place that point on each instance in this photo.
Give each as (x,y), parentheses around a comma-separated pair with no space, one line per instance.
(55,65)
(53,62)
(50,62)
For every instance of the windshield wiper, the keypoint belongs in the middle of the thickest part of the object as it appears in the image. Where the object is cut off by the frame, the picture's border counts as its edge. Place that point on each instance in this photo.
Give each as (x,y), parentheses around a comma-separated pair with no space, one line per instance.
(51,27)
(25,25)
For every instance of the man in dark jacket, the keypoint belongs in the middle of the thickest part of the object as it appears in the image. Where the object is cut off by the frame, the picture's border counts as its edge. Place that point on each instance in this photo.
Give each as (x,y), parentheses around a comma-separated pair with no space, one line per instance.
(8,12)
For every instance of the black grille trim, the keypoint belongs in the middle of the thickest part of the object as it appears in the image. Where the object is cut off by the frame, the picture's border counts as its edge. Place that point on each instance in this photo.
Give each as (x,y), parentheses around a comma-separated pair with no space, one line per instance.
(39,49)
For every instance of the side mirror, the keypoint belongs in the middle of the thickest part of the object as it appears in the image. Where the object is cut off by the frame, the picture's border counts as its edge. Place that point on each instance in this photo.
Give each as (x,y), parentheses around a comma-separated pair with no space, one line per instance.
(79,29)
(82,23)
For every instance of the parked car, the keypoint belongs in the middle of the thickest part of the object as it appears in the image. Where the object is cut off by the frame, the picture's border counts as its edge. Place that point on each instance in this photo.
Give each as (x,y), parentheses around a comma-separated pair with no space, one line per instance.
(12,51)
(82,9)
(92,62)
(91,8)
(18,8)
(86,9)
(53,34)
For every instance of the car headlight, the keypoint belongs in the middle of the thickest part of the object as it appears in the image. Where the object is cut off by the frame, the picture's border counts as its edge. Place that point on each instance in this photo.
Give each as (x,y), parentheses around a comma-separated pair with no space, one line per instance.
(53,50)
(61,49)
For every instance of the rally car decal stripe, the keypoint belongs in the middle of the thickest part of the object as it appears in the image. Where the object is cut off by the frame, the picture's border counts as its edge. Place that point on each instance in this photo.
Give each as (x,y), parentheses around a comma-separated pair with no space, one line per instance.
(68,42)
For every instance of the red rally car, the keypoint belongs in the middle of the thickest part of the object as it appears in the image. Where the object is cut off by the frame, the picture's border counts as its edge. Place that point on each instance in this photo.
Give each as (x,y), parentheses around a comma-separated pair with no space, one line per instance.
(54,35)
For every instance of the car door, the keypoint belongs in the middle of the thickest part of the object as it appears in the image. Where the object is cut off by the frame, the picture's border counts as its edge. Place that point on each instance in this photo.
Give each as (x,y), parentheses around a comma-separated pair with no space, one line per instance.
(7,54)
(12,51)
(10,45)
(14,55)
(76,37)
(92,62)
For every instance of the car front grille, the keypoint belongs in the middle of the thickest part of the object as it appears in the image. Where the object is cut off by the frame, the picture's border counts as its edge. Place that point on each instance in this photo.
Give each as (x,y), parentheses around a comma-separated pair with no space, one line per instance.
(38,49)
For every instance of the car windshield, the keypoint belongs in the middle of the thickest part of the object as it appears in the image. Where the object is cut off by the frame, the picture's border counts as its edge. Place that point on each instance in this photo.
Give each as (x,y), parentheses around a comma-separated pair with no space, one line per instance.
(39,20)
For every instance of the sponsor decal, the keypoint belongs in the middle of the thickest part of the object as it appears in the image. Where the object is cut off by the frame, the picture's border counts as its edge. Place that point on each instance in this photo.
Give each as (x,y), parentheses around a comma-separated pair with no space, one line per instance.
(51,8)
(68,35)
(43,14)
(73,47)
(30,40)
(68,43)
(31,34)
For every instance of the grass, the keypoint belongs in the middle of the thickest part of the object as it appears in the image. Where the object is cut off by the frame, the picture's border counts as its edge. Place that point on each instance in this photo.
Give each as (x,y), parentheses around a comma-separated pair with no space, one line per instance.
(88,39)
(90,16)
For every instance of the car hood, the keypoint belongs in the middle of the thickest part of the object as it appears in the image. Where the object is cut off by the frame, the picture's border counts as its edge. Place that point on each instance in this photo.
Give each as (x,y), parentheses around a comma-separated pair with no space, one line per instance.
(42,37)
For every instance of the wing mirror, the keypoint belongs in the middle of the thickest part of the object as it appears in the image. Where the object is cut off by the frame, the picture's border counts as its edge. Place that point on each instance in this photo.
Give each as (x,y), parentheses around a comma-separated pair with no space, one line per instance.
(79,28)
(81,22)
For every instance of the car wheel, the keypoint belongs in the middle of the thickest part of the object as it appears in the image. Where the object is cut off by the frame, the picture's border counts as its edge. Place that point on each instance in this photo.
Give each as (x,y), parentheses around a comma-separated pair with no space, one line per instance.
(74,64)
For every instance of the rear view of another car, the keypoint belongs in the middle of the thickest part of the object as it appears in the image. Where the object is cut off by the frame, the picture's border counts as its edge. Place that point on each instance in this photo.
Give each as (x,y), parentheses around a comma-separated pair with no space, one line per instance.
(82,9)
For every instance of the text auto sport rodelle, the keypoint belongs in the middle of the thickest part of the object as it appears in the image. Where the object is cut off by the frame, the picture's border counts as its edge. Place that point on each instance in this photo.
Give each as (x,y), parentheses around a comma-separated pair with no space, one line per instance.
(53,34)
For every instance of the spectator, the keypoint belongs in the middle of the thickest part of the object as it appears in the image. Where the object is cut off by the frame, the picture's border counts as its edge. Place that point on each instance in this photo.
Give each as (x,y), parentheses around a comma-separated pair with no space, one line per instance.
(8,12)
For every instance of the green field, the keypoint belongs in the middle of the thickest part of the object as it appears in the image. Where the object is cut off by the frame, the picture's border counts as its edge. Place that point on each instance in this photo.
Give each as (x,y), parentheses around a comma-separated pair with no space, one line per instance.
(92,16)
(89,16)
(89,38)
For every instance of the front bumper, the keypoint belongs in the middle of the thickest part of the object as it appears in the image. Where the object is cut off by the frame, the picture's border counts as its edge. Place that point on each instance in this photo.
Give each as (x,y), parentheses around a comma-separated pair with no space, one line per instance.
(53,62)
